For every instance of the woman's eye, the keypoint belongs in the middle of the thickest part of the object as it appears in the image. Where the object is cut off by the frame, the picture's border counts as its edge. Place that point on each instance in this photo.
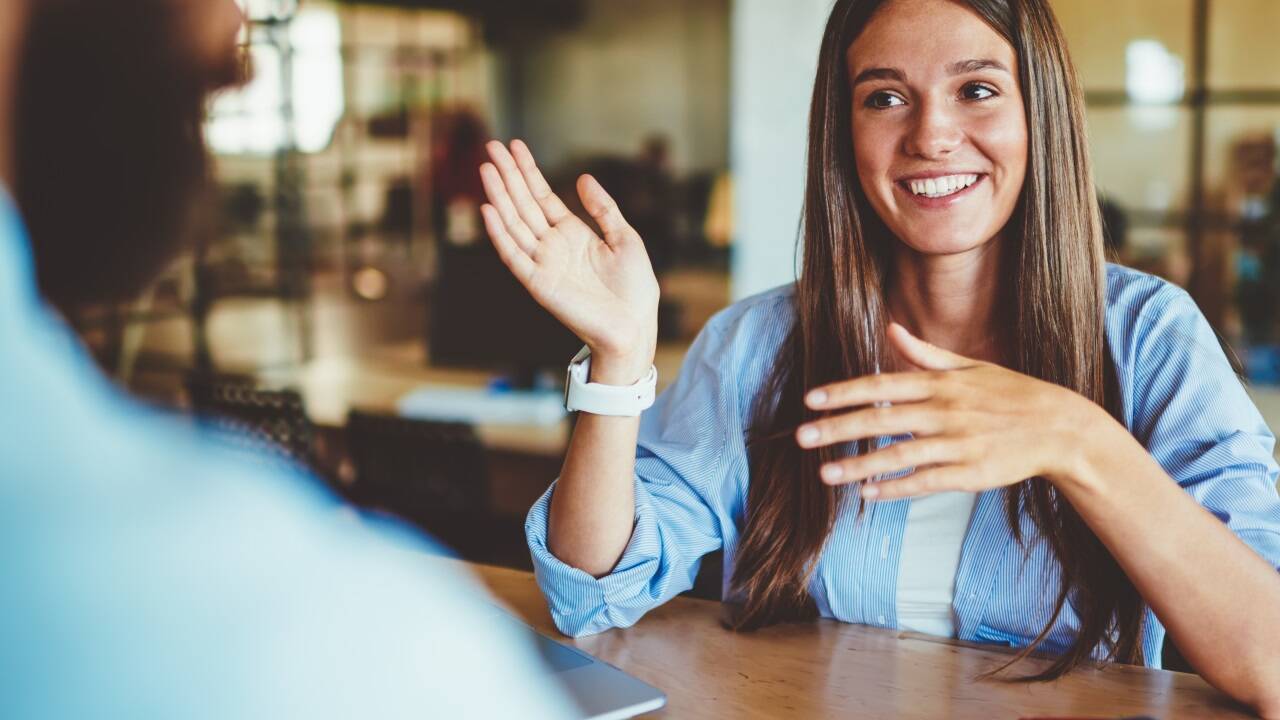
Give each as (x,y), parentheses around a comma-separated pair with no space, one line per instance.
(880,100)
(977,91)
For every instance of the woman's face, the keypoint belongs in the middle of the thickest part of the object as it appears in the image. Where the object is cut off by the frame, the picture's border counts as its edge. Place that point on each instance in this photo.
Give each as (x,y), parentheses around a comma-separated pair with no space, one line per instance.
(939,131)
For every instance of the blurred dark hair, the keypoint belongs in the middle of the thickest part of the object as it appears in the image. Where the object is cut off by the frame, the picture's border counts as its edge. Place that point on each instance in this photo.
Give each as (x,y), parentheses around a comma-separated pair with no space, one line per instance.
(109,144)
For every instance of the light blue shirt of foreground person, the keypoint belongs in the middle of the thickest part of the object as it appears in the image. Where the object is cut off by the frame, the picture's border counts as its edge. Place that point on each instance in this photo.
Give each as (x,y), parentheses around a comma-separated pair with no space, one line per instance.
(1181,401)
(145,573)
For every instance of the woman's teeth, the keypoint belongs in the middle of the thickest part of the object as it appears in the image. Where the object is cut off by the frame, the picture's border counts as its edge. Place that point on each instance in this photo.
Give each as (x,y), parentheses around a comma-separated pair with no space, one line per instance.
(941,186)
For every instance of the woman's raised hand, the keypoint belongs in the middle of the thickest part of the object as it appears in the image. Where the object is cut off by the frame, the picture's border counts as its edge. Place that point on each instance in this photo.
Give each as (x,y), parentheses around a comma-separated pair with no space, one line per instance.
(603,290)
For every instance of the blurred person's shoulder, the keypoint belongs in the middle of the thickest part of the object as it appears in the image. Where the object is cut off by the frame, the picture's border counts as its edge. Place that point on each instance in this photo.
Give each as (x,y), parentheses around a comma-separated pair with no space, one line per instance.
(146,561)
(157,562)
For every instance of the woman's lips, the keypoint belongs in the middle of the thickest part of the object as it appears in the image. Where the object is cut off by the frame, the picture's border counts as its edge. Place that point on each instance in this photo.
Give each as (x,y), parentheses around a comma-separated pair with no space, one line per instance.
(938,203)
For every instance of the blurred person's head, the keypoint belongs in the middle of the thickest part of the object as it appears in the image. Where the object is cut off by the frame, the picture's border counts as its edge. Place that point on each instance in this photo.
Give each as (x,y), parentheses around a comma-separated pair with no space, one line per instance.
(655,151)
(458,138)
(108,148)
(984,93)
(1253,163)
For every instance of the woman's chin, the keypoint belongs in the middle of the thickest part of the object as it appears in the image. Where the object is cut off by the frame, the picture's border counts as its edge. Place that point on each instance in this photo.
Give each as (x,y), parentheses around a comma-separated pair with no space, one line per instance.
(944,244)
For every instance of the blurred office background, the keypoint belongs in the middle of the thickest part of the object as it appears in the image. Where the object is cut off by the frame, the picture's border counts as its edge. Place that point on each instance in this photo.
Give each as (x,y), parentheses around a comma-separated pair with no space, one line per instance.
(343,306)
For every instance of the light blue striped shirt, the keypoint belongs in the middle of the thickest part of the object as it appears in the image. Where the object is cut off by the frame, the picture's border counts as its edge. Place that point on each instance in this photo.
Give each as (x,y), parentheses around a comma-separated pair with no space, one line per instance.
(1181,401)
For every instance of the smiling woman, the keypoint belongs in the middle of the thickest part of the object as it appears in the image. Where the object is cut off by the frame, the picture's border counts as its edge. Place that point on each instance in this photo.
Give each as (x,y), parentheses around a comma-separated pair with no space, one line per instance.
(1088,474)
(969,270)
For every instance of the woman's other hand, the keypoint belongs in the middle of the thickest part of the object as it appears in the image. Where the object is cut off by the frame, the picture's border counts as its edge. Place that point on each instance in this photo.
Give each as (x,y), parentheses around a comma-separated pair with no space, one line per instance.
(603,290)
(974,425)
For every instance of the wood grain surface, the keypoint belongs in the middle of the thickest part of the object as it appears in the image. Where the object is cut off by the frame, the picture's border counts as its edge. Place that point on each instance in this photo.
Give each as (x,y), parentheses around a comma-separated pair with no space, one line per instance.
(832,669)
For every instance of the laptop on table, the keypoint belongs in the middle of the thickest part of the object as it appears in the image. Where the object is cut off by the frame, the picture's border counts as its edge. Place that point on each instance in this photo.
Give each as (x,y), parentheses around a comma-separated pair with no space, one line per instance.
(601,691)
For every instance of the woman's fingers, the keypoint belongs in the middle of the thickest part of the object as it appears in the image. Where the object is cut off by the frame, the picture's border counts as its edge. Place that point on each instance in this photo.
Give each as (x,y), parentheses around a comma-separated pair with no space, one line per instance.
(920,419)
(888,387)
(894,458)
(922,354)
(605,212)
(950,478)
(513,256)
(518,189)
(551,205)
(496,190)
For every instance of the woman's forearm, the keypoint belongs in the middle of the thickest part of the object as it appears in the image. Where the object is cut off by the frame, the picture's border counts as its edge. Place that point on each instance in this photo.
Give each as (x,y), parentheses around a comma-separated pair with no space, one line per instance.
(593,507)
(1219,600)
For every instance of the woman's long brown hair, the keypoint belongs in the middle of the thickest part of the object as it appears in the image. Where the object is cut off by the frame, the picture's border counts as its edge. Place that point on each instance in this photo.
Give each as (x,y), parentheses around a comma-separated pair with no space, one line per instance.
(1053,257)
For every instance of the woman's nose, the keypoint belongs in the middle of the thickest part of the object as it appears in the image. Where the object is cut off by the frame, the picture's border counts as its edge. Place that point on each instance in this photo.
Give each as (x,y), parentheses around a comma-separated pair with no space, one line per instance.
(934,133)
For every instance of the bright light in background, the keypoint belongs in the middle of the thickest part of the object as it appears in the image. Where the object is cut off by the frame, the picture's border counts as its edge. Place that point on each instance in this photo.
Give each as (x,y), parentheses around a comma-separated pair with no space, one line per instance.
(370,283)
(267,9)
(1155,79)
(251,120)
(1153,75)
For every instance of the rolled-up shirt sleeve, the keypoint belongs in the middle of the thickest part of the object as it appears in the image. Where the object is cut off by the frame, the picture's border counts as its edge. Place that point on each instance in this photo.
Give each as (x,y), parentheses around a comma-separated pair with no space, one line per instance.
(1192,413)
(688,455)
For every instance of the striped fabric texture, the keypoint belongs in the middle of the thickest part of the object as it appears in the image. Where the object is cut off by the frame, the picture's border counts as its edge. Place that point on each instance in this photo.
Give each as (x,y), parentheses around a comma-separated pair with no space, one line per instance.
(1181,401)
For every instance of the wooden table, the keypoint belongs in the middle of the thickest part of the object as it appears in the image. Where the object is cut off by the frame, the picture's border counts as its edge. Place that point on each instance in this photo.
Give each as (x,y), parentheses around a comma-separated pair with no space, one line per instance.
(832,669)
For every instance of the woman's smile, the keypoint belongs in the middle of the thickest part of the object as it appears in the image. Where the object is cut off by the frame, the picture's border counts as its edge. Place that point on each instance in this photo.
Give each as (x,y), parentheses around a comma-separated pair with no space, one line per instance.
(941,191)
(939,125)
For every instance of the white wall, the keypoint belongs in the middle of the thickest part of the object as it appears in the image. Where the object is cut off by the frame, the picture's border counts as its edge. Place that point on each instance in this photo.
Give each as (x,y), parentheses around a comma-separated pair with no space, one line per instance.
(773,61)
(686,68)
(630,70)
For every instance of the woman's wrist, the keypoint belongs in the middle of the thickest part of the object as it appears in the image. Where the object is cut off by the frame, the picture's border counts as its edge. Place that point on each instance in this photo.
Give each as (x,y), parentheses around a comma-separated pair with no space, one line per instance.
(1092,445)
(626,359)
(620,369)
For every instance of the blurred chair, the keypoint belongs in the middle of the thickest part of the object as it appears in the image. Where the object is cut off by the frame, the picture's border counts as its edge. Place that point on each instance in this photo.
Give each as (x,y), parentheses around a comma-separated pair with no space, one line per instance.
(269,424)
(433,474)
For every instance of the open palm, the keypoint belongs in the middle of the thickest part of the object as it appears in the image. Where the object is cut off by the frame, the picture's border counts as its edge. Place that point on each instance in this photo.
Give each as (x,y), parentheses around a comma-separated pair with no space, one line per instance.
(603,290)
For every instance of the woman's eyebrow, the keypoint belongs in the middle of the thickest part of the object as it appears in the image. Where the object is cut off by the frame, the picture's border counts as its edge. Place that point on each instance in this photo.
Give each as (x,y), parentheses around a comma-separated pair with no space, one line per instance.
(882,73)
(960,67)
(968,66)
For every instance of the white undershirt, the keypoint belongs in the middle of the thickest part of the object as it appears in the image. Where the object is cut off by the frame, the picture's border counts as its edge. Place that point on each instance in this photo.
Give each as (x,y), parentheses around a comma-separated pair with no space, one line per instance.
(931,543)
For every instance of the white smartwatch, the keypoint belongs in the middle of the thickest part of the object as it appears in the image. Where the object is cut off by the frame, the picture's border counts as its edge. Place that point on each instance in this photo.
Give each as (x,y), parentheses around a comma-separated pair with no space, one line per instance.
(598,399)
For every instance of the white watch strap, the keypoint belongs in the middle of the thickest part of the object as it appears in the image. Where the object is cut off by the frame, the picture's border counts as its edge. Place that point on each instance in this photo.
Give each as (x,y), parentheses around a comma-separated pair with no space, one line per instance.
(599,399)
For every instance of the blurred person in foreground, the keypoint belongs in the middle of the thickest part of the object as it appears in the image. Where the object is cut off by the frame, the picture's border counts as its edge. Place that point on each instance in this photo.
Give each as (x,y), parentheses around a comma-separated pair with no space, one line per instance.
(145,573)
